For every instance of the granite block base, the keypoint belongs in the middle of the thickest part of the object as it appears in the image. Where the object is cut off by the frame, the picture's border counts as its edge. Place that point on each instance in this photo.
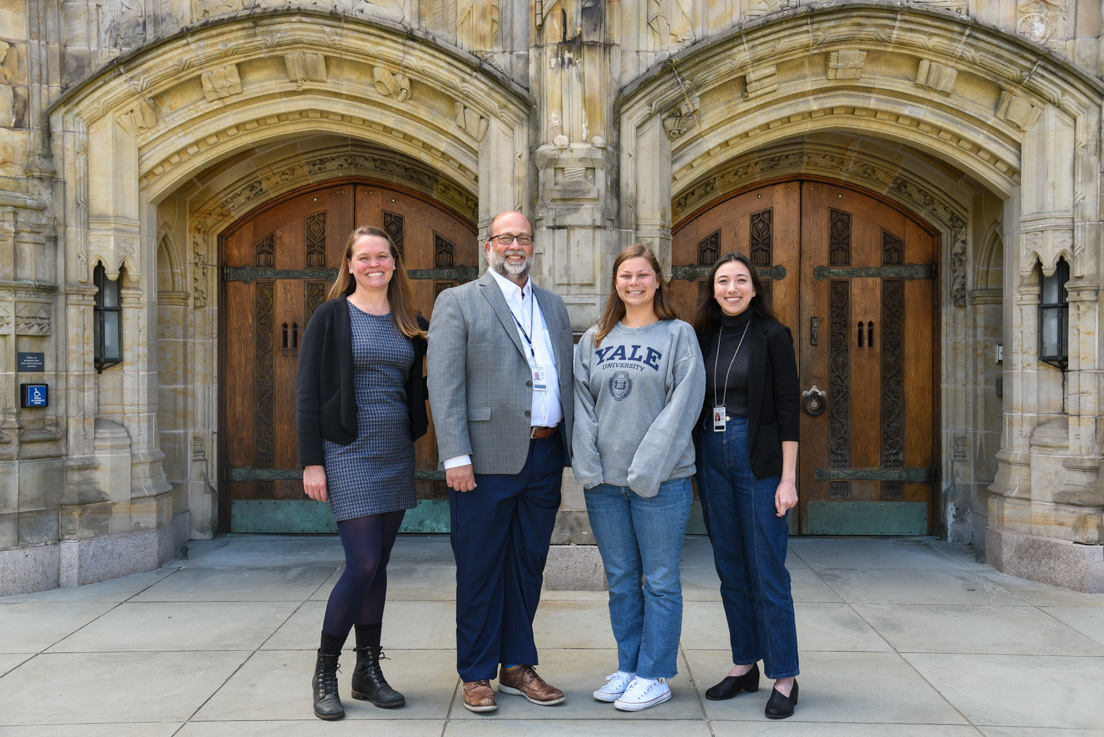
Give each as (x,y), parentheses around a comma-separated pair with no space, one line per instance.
(574,568)
(1047,560)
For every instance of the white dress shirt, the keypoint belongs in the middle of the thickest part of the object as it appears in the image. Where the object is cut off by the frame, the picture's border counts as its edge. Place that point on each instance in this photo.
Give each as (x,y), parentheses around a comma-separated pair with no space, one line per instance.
(546,410)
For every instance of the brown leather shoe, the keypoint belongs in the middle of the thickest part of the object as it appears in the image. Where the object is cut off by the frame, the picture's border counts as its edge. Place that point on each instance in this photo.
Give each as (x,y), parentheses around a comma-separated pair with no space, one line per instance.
(522,680)
(478,696)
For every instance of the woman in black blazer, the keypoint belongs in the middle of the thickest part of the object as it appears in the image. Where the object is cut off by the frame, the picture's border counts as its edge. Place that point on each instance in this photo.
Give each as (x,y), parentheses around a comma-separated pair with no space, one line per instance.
(747,474)
(360,405)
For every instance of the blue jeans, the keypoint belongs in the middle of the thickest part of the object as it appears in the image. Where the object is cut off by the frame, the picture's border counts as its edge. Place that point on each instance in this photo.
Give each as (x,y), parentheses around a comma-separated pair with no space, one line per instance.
(749,547)
(641,542)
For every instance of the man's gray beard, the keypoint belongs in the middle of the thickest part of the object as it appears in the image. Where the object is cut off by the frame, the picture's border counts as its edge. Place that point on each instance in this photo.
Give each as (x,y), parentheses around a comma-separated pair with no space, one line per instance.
(499,264)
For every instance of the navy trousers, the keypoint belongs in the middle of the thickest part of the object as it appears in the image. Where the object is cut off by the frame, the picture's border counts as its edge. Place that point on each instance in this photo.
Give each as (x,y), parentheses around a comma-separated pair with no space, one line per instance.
(500,536)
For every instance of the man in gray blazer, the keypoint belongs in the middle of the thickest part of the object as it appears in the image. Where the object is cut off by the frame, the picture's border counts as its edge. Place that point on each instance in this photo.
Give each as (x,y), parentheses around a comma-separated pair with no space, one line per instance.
(499,371)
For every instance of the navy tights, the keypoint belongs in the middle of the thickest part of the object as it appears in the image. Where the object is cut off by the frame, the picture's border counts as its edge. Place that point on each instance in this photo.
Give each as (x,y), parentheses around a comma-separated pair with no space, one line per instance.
(359,594)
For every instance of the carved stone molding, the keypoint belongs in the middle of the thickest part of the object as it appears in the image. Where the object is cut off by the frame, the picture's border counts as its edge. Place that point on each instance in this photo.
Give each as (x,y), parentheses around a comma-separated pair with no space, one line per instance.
(140,118)
(1041,20)
(5,319)
(762,81)
(1045,245)
(1017,110)
(470,121)
(305,67)
(682,119)
(199,271)
(847,64)
(391,85)
(958,274)
(235,201)
(924,199)
(221,83)
(33,318)
(936,76)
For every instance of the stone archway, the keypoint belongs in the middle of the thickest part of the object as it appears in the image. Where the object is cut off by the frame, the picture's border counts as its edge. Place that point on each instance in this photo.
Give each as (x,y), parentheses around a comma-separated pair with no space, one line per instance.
(978,106)
(171,143)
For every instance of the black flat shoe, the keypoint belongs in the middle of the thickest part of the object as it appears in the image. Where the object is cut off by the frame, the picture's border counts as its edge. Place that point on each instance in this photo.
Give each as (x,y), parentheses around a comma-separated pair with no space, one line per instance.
(732,685)
(779,706)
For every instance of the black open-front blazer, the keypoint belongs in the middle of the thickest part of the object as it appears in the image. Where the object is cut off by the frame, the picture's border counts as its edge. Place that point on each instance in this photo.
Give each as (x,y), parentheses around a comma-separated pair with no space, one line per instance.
(773,402)
(325,398)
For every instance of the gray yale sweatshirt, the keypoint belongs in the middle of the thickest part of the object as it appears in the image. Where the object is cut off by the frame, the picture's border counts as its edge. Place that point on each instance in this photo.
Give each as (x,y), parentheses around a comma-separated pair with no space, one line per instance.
(637,398)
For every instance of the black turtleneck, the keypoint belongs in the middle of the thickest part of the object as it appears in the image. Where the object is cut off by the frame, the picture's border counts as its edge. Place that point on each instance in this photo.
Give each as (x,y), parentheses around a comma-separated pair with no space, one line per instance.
(732,390)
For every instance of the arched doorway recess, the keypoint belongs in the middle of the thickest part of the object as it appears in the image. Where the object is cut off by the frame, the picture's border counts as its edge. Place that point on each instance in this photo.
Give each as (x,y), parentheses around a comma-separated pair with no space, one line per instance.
(857,93)
(855,278)
(171,144)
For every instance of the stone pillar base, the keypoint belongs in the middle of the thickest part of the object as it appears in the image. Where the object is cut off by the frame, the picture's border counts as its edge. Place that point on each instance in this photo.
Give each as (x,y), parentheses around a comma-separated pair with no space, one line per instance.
(574,568)
(1045,559)
(77,562)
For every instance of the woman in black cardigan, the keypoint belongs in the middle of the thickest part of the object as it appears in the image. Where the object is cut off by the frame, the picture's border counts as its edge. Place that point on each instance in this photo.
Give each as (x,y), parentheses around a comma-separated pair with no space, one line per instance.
(747,474)
(360,405)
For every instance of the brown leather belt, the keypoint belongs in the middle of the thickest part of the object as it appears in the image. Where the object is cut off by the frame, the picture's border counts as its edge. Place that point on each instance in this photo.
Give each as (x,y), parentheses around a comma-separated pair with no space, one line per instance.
(540,433)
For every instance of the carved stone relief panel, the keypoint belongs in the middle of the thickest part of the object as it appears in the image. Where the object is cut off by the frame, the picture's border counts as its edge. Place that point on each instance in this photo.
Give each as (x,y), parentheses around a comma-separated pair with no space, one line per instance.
(470,121)
(762,81)
(670,23)
(140,118)
(122,24)
(32,318)
(936,76)
(846,64)
(1017,110)
(391,85)
(477,23)
(199,271)
(1041,20)
(220,83)
(305,67)
(398,11)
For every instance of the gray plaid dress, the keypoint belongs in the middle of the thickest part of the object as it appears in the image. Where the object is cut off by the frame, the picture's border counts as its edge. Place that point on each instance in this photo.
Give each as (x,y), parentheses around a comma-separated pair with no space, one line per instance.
(375,473)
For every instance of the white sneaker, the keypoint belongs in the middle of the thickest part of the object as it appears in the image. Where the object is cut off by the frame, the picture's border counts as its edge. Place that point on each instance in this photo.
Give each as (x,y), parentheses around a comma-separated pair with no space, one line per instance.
(615,686)
(643,693)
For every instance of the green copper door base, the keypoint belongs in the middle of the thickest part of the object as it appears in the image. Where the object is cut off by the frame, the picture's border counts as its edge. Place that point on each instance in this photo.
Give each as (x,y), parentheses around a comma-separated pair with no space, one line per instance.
(868,518)
(307,516)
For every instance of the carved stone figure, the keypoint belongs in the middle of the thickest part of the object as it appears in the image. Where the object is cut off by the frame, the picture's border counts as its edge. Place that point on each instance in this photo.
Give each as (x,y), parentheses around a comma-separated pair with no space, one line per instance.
(670,22)
(477,24)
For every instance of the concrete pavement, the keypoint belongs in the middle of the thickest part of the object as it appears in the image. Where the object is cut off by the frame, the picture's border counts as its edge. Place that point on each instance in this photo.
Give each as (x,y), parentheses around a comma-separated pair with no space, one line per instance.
(898,637)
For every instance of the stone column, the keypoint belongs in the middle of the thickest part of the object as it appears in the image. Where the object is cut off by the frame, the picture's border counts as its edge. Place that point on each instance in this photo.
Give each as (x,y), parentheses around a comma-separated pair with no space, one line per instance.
(1045,519)
(574,71)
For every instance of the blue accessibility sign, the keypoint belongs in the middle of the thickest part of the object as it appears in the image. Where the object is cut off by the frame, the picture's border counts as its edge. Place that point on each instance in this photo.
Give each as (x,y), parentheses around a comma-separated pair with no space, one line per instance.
(34,395)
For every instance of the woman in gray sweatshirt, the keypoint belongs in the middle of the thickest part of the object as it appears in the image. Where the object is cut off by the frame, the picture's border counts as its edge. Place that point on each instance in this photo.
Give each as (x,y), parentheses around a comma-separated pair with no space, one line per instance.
(639,386)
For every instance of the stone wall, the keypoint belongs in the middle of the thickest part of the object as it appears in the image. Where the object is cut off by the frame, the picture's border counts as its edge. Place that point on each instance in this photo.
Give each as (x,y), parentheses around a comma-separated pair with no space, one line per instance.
(133,131)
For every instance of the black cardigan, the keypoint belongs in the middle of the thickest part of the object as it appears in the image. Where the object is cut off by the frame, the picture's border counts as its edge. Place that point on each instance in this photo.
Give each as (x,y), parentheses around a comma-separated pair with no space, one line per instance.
(325,398)
(772,393)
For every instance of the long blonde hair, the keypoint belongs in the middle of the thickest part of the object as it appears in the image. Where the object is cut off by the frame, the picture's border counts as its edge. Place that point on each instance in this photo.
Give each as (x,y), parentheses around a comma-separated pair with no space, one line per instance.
(615,308)
(400,295)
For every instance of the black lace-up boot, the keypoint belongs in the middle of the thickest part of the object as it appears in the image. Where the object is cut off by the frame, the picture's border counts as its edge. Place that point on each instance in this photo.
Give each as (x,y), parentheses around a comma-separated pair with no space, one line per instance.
(327,703)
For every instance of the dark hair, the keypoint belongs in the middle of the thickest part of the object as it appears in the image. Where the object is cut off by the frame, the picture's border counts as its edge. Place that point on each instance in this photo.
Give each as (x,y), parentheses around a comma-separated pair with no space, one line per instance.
(708,315)
(400,295)
(615,308)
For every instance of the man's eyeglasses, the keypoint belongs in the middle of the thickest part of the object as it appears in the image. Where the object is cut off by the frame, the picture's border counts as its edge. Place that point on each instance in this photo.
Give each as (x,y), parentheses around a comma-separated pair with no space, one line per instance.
(507,238)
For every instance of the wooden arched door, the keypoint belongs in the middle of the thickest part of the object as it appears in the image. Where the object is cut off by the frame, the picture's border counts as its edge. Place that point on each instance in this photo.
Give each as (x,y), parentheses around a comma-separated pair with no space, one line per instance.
(854,278)
(277,265)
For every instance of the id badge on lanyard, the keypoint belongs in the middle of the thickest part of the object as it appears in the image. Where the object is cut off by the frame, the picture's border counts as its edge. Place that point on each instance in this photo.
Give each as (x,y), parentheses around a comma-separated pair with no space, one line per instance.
(719,416)
(540,378)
